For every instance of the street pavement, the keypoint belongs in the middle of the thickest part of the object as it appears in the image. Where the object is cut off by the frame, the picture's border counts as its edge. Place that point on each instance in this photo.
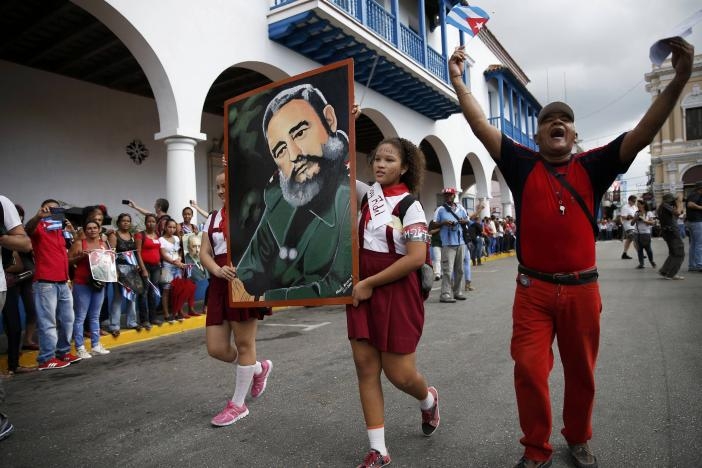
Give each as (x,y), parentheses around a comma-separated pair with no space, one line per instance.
(149,404)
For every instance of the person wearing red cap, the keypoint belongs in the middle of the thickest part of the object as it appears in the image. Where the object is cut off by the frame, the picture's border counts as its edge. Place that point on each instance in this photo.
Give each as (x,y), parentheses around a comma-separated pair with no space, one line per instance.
(557,294)
(451,218)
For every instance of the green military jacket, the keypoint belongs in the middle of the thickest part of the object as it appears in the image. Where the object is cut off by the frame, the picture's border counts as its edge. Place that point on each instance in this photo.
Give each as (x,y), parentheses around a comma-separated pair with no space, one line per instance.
(300,253)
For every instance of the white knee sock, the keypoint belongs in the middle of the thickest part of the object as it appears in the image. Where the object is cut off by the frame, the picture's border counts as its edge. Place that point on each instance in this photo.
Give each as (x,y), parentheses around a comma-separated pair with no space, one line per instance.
(244,376)
(257,368)
(428,402)
(376,437)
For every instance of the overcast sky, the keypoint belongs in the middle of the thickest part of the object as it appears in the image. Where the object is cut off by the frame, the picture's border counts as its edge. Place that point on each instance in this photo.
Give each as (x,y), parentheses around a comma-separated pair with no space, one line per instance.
(594,53)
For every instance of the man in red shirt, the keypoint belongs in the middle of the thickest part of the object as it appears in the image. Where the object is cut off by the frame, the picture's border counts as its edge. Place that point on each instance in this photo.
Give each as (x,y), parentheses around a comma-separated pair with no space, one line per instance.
(557,291)
(52,295)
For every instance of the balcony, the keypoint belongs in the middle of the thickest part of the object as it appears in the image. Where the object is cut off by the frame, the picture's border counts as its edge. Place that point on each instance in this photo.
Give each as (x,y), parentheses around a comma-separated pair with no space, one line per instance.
(407,69)
(512,132)
(517,104)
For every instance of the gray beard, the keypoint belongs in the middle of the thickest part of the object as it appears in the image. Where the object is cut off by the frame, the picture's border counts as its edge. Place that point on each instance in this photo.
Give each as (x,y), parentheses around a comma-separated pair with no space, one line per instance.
(300,194)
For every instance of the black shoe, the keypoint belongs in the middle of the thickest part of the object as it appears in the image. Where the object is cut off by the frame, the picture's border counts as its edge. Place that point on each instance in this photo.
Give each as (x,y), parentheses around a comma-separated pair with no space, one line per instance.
(6,427)
(640,266)
(158,322)
(625,256)
(524,463)
(653,264)
(582,455)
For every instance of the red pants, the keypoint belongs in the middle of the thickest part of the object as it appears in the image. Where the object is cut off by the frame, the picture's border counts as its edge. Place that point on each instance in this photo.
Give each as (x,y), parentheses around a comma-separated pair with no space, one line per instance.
(541,312)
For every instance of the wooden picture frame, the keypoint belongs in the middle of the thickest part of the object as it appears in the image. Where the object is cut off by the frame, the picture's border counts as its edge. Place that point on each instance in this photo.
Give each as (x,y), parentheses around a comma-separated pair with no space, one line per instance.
(290,198)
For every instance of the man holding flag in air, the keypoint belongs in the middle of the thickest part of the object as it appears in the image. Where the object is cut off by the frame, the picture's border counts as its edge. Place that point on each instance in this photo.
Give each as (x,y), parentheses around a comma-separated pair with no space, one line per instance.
(557,294)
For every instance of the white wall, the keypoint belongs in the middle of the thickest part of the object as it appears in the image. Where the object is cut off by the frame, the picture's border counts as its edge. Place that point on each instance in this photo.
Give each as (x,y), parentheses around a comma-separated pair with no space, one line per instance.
(65,139)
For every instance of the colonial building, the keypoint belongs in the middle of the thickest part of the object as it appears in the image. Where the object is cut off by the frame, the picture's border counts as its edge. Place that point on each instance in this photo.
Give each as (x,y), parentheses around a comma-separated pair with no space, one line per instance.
(104,100)
(676,152)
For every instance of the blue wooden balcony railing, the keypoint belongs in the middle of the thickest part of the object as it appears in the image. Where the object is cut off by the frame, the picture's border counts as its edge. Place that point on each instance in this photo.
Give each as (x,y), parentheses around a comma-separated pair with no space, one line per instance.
(412,44)
(506,127)
(374,16)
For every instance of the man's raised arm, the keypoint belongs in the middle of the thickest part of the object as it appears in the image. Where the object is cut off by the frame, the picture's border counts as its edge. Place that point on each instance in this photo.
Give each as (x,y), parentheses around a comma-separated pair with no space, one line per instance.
(654,118)
(488,135)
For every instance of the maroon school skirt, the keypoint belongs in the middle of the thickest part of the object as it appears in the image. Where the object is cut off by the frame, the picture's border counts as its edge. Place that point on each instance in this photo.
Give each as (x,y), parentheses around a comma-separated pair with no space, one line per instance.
(218,309)
(393,318)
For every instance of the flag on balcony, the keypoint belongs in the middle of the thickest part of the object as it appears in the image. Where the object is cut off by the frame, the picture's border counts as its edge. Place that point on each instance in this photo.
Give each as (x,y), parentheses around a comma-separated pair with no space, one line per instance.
(468,19)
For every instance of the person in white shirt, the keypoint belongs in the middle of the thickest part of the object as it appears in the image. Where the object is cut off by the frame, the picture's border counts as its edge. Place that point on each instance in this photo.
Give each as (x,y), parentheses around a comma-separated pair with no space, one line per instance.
(627,213)
(12,237)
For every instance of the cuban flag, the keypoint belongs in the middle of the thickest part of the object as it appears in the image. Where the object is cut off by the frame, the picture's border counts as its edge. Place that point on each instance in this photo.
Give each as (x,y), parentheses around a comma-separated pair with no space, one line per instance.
(53,224)
(128,294)
(129,257)
(469,19)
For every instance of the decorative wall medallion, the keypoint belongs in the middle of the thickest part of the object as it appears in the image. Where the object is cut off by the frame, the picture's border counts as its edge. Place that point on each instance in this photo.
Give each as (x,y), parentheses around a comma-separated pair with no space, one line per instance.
(137,152)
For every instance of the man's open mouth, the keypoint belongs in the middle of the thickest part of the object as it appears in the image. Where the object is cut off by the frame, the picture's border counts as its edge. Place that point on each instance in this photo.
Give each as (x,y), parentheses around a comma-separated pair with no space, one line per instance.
(557,132)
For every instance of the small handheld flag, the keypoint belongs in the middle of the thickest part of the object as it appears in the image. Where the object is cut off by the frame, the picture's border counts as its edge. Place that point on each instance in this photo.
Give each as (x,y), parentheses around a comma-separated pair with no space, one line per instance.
(469,19)
(154,288)
(128,294)
(129,257)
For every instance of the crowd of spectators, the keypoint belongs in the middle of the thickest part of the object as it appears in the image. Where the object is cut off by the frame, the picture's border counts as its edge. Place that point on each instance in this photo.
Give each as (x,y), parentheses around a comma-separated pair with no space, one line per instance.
(64,293)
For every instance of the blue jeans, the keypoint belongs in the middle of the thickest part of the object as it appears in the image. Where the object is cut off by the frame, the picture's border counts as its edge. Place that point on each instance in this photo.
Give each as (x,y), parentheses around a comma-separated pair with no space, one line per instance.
(681,230)
(479,247)
(87,304)
(466,263)
(54,305)
(695,255)
(116,309)
(436,259)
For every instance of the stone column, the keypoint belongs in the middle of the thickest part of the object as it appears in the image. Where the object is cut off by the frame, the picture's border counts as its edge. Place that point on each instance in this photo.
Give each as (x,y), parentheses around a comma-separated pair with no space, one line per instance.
(507,209)
(180,173)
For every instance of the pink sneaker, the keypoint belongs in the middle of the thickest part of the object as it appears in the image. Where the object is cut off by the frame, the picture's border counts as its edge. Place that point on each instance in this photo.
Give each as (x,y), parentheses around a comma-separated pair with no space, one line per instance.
(374,459)
(230,414)
(430,417)
(259,381)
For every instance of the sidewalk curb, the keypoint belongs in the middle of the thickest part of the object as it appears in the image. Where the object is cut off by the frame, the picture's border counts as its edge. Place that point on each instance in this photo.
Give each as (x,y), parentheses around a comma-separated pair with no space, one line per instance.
(127,337)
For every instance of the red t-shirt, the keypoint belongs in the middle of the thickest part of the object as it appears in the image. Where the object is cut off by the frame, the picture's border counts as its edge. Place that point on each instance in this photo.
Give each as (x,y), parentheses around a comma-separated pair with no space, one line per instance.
(548,240)
(82,273)
(50,256)
(150,249)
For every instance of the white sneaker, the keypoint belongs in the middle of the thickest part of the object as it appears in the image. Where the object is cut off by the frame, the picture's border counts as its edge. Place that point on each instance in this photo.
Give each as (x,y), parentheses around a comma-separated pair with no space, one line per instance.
(83,353)
(100,349)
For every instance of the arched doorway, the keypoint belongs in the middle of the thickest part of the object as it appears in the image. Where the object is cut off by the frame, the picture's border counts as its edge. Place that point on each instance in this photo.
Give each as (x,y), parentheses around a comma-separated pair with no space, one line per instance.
(371,128)
(690,177)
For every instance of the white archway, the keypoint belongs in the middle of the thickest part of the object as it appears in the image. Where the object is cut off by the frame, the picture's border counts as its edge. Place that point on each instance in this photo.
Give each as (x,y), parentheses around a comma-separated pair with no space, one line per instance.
(381,121)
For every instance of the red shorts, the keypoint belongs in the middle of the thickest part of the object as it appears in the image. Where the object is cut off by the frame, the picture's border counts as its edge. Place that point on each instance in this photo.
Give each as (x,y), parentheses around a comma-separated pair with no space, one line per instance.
(218,309)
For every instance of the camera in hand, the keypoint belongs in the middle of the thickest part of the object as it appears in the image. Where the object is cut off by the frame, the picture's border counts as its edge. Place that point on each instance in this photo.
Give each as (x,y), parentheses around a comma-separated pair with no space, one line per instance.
(58,213)
(125,202)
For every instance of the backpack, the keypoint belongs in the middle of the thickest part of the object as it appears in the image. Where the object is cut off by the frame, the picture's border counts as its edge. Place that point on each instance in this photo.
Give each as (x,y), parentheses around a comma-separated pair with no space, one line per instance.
(7,259)
(425,272)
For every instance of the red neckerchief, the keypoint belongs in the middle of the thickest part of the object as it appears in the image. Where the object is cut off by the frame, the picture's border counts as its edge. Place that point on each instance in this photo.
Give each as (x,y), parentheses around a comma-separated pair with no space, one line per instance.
(223,223)
(391,191)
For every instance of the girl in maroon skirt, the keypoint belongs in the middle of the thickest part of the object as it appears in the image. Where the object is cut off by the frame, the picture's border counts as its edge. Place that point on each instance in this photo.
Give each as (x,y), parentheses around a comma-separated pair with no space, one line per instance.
(223,320)
(387,316)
